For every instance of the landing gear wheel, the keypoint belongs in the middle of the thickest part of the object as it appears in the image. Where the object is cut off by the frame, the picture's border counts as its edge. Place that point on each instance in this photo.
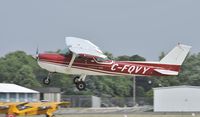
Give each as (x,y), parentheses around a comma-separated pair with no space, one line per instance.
(10,115)
(80,85)
(50,115)
(76,80)
(46,81)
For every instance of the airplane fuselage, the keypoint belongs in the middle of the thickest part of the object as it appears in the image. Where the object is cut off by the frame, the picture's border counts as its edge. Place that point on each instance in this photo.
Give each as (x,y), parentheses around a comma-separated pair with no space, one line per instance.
(81,57)
(90,65)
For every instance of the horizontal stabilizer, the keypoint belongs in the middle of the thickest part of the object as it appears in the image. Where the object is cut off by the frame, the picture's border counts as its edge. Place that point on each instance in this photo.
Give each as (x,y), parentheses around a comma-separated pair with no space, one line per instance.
(81,46)
(166,72)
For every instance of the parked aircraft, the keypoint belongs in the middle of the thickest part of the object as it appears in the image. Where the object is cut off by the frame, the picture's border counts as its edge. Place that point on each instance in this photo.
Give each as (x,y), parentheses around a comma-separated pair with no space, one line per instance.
(12,109)
(82,58)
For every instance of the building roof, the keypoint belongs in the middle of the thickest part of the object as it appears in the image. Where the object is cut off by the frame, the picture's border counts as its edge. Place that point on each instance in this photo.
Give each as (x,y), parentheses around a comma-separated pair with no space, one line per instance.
(48,90)
(181,86)
(13,88)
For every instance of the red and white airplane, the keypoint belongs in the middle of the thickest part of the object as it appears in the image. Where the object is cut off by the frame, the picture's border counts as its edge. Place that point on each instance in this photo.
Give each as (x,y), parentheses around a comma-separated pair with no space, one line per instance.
(82,58)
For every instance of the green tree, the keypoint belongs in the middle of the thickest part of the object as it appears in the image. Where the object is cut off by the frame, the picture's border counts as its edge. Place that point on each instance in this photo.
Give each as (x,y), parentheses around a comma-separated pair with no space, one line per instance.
(123,58)
(137,58)
(17,68)
(162,55)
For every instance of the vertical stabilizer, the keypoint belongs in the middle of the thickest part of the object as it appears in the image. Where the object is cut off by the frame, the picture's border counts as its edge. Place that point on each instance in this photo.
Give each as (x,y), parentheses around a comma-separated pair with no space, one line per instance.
(177,55)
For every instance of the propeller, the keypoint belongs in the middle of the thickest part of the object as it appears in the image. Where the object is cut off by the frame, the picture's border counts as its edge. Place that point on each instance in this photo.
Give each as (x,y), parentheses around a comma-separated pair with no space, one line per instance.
(36,54)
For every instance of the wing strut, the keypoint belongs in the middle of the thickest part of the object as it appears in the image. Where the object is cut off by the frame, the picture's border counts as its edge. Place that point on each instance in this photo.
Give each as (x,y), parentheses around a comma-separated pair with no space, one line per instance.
(72,61)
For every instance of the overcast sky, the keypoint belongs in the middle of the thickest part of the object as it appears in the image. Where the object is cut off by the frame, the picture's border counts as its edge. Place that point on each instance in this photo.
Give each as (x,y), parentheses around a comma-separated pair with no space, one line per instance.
(122,27)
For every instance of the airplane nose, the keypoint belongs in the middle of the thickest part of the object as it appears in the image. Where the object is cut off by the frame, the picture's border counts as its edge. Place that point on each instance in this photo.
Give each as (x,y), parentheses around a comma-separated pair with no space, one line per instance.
(41,56)
(45,56)
(51,57)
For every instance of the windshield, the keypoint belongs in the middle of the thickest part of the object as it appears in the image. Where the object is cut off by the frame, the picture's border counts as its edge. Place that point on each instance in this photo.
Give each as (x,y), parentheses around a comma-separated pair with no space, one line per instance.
(64,51)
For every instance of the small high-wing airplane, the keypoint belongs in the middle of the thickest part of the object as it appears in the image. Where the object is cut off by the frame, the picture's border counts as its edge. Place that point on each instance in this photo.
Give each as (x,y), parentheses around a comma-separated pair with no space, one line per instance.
(82,58)
(12,109)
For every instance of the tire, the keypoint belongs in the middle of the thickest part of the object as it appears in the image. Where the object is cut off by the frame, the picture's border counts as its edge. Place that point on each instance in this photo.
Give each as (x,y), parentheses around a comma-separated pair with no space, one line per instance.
(81,85)
(76,79)
(46,81)
(10,115)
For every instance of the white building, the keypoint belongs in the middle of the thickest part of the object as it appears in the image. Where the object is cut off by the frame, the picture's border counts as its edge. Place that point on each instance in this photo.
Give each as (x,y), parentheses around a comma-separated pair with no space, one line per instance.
(177,99)
(16,93)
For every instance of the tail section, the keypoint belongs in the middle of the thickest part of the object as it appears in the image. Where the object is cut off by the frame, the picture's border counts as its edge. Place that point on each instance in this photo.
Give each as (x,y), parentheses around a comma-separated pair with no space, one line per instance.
(177,55)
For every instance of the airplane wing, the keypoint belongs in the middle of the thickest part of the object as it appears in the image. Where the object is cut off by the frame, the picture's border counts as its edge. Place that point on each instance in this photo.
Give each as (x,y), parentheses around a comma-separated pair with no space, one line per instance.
(13,103)
(3,106)
(81,46)
(6,105)
(47,105)
(166,72)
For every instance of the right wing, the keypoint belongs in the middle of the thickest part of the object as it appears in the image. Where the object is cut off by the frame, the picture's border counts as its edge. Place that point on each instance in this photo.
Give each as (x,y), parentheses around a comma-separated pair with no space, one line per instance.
(81,46)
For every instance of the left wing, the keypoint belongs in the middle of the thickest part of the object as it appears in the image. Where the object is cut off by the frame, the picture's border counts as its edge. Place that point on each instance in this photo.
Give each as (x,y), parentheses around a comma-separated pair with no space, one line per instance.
(4,105)
(81,46)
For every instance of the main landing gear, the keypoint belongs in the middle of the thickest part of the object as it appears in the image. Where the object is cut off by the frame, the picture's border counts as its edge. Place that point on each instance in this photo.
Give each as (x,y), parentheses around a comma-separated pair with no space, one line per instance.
(47,79)
(80,82)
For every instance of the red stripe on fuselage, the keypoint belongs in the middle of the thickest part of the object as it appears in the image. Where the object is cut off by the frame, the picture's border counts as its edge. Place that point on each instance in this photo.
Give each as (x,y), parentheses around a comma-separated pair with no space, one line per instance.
(125,67)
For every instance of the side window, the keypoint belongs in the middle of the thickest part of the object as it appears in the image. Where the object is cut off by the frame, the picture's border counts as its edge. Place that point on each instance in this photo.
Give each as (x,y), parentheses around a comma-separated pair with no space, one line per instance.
(80,58)
(98,59)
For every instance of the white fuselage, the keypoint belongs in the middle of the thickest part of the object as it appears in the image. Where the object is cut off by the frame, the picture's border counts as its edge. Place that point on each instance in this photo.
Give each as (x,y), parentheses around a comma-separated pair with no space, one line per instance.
(54,67)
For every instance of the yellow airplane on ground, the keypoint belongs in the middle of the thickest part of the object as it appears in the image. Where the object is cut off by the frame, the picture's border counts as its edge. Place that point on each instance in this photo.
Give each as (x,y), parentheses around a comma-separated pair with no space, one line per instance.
(12,109)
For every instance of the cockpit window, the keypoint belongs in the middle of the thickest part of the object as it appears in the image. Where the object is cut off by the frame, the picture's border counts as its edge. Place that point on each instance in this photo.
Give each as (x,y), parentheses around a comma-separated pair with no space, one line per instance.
(65,51)
(98,59)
